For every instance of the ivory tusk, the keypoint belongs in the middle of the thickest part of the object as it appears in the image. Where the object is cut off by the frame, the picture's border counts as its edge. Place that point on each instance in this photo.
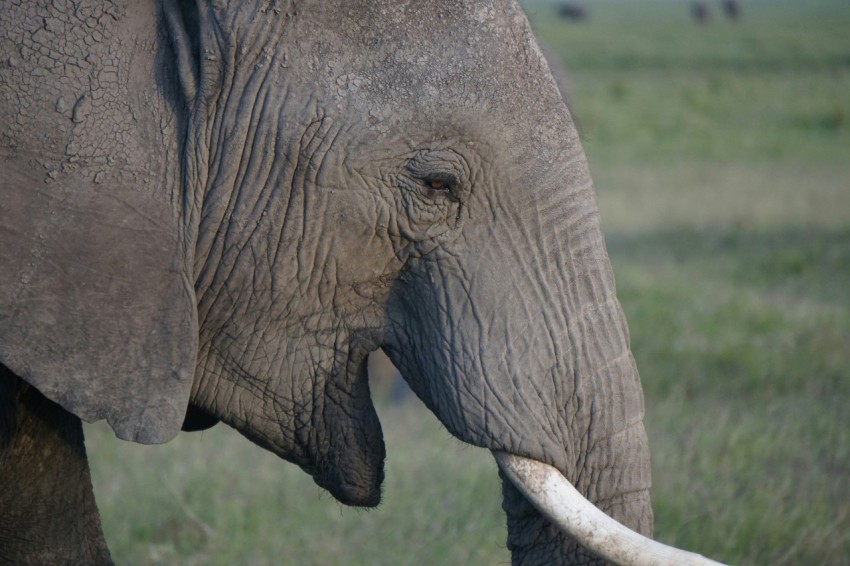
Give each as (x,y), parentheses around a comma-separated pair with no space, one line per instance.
(562,504)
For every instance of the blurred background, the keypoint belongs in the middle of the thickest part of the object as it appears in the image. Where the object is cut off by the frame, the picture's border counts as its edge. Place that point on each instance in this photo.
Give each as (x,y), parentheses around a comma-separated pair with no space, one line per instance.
(718,134)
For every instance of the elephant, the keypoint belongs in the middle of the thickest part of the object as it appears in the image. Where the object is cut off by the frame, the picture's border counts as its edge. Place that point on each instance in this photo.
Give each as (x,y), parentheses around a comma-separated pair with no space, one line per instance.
(213,211)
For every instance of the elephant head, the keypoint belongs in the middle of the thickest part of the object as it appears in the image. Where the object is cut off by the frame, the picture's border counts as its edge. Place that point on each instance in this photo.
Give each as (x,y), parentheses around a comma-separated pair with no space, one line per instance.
(300,184)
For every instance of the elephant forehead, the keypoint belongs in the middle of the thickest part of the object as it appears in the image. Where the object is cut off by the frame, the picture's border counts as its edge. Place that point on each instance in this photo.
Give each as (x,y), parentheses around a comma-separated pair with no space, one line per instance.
(428,59)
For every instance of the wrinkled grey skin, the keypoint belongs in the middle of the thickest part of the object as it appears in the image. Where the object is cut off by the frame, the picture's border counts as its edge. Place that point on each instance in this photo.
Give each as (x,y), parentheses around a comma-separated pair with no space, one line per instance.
(227,206)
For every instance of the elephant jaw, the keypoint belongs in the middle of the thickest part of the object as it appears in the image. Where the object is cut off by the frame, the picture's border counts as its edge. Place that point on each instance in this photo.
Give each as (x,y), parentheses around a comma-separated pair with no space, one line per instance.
(555,497)
(350,463)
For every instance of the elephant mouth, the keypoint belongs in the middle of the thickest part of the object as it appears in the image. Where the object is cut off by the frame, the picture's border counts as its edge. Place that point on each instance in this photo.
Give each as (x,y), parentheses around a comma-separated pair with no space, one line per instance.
(556,498)
(352,470)
(349,462)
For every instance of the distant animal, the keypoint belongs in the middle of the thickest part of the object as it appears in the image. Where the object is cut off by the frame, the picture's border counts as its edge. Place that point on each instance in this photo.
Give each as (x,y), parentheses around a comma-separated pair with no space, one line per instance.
(571,11)
(700,12)
(731,8)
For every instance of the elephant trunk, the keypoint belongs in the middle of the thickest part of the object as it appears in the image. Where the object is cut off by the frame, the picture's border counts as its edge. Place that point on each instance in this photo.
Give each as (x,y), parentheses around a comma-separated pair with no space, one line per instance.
(579,363)
(527,352)
(608,476)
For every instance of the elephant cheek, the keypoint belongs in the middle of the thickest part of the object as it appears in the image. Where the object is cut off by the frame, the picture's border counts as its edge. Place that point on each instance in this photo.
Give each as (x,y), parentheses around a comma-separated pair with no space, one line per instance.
(351,467)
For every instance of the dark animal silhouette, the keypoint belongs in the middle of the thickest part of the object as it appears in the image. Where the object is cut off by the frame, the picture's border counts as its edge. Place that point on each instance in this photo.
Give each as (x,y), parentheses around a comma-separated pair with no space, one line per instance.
(572,12)
(700,13)
(731,8)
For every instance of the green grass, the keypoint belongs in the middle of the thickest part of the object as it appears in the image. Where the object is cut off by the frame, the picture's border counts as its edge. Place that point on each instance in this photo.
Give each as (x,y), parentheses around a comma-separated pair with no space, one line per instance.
(721,156)
(650,84)
(214,498)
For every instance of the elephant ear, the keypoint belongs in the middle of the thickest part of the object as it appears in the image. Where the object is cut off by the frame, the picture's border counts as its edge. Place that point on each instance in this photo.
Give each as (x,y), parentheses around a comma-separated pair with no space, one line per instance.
(97,301)
(96,309)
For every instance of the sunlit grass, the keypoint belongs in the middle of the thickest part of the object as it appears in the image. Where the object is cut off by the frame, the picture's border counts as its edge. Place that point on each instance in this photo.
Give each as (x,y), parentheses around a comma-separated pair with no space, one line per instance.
(707,195)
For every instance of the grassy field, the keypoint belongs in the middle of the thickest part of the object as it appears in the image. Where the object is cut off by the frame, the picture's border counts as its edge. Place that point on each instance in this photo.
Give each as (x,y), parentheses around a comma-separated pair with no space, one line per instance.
(721,155)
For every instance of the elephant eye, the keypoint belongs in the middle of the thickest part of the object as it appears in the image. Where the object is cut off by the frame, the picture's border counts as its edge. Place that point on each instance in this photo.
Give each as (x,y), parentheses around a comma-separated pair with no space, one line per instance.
(437,174)
(442,186)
